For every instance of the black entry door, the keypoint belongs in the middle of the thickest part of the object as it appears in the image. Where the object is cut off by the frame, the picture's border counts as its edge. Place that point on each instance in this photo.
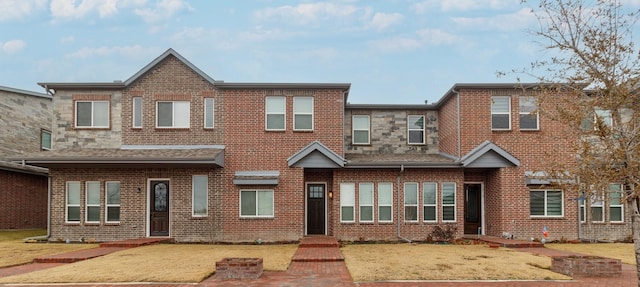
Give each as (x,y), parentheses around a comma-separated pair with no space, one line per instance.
(315,209)
(159,208)
(472,208)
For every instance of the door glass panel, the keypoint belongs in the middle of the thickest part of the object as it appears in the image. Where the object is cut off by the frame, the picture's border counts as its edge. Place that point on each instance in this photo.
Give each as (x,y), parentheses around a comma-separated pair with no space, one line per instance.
(160,197)
(316,191)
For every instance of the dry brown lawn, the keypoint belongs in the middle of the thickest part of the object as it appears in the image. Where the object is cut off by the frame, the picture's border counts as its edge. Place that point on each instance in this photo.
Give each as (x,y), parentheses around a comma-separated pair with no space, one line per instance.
(622,251)
(158,263)
(14,251)
(380,262)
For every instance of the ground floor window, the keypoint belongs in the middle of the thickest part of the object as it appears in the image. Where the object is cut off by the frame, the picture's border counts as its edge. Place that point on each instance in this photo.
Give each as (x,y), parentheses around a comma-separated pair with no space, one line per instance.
(616,206)
(256,203)
(385,202)
(199,197)
(598,202)
(448,201)
(411,201)
(545,203)
(429,197)
(347,202)
(72,200)
(112,201)
(92,198)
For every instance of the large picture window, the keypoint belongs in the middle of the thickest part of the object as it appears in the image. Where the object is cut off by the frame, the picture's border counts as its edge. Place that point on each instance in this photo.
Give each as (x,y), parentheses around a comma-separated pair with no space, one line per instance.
(112,201)
(92,114)
(347,202)
(385,202)
(528,112)
(415,127)
(200,196)
(92,201)
(501,113)
(361,129)
(302,113)
(275,113)
(256,203)
(72,210)
(448,201)
(430,198)
(366,201)
(176,114)
(545,203)
(411,201)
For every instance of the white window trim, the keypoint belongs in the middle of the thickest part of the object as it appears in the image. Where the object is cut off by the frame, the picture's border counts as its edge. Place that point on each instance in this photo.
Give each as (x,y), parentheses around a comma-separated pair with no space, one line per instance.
(424,203)
(42,132)
(373,213)
(212,111)
(423,129)
(193,196)
(537,115)
(173,115)
(299,113)
(267,113)
(595,198)
(342,202)
(546,201)
(87,204)
(92,126)
(137,115)
(416,205)
(353,130)
(390,204)
(272,215)
(67,205)
(455,201)
(494,113)
(111,205)
(621,205)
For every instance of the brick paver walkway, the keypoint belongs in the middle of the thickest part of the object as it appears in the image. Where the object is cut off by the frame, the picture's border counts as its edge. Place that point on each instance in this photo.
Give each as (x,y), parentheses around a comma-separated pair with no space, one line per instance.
(318,262)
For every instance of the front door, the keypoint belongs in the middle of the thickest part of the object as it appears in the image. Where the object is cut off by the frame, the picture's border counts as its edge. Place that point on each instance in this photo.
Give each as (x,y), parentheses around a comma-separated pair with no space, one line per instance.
(472,208)
(315,209)
(159,208)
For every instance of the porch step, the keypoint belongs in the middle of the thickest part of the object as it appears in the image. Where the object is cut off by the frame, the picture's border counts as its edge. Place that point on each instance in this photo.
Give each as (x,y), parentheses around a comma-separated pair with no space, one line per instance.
(503,242)
(131,243)
(318,249)
(318,241)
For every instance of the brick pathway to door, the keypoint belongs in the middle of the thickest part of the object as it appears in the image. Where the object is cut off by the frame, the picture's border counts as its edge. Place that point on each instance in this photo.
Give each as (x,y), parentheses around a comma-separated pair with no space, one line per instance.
(318,262)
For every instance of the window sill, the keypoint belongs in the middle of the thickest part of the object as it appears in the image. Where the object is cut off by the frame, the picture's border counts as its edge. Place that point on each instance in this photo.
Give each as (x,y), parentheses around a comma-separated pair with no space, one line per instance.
(91,129)
(302,131)
(528,130)
(199,217)
(112,224)
(255,217)
(501,130)
(172,129)
(92,224)
(546,217)
(72,224)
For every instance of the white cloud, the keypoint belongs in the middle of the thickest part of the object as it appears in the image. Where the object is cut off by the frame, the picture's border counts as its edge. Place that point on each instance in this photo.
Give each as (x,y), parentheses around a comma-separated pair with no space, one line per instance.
(164,9)
(382,21)
(16,9)
(126,51)
(461,5)
(67,39)
(72,9)
(422,38)
(308,13)
(436,37)
(12,46)
(521,19)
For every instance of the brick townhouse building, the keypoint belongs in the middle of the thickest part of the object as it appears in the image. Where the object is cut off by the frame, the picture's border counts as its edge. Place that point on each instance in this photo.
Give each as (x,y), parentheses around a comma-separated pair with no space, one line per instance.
(172,152)
(25,121)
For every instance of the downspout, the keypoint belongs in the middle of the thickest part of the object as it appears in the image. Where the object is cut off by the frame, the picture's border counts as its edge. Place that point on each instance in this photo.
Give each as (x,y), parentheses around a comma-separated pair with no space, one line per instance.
(48,207)
(399,206)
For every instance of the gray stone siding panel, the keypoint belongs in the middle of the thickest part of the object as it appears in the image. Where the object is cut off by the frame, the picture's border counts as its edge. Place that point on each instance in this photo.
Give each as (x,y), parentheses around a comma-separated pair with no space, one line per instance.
(22,117)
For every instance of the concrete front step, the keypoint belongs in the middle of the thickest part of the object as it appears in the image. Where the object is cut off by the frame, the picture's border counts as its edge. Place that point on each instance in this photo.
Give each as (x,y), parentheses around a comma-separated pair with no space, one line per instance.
(317,254)
(318,241)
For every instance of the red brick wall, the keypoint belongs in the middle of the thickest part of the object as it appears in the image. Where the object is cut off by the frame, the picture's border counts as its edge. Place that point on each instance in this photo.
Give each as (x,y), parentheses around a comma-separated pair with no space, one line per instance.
(23,200)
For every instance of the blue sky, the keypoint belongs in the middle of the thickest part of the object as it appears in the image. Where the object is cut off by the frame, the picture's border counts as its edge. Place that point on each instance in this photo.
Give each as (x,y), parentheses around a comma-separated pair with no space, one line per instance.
(393,51)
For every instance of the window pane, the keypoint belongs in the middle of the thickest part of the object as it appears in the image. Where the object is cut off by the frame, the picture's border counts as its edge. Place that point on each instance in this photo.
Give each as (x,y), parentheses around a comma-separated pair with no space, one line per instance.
(113,193)
(303,105)
(430,213)
(93,213)
(165,114)
(448,193)
(113,213)
(500,105)
(415,122)
(275,105)
(73,213)
(366,194)
(73,193)
(100,114)
(366,213)
(93,192)
(208,113)
(536,203)
(615,194)
(361,122)
(527,104)
(361,137)
(46,139)
(265,203)
(181,114)
(200,202)
(303,122)
(416,137)
(429,193)
(554,203)
(529,121)
(448,213)
(347,213)
(596,214)
(384,194)
(500,121)
(411,213)
(384,213)
(83,114)
(347,194)
(615,213)
(248,203)
(275,122)
(137,112)
(411,193)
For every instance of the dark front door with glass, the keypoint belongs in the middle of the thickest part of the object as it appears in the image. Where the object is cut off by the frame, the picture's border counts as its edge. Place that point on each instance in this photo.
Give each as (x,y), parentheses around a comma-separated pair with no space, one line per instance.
(315,209)
(159,208)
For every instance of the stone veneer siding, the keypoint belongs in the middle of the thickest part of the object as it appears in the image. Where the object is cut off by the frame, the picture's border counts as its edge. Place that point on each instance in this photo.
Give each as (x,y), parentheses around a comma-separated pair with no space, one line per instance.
(22,117)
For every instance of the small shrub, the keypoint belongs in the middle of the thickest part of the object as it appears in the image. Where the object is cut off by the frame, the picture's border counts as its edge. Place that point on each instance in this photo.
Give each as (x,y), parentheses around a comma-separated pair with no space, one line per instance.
(444,234)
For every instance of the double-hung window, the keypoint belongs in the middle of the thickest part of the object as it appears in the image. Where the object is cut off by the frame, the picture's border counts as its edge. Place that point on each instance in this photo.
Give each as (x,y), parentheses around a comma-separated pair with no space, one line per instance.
(45,139)
(92,114)
(448,201)
(92,201)
(430,198)
(501,113)
(302,113)
(366,201)
(415,128)
(208,113)
(200,196)
(603,116)
(347,202)
(385,202)
(361,129)
(411,201)
(528,113)
(616,207)
(597,207)
(137,113)
(72,210)
(545,203)
(256,203)
(112,201)
(173,114)
(275,108)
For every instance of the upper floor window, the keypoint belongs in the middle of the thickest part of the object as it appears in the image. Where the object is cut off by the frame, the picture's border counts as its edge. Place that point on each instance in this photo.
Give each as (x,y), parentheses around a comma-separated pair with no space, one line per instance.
(137,112)
(604,116)
(275,113)
(173,114)
(415,127)
(528,113)
(302,113)
(208,113)
(361,129)
(501,113)
(45,139)
(92,114)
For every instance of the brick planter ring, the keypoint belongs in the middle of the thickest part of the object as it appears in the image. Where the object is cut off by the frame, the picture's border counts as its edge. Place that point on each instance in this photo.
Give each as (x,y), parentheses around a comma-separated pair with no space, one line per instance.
(586,266)
(239,268)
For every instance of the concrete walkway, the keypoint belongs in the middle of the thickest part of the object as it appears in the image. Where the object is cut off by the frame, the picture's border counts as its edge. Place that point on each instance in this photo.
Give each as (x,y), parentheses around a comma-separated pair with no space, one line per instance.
(318,262)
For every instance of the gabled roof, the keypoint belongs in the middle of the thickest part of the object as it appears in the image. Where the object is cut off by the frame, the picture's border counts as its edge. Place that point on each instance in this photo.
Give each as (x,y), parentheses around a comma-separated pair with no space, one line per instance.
(24,92)
(23,168)
(489,155)
(316,155)
(132,79)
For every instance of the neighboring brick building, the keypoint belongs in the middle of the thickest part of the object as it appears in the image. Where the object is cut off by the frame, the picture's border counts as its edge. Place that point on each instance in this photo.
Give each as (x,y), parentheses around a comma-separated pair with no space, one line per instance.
(25,121)
(172,152)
